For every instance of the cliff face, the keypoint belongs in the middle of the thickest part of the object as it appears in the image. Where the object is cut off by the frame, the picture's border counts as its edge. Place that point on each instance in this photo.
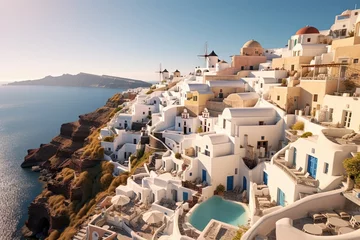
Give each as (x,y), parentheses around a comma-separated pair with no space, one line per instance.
(71,138)
(65,150)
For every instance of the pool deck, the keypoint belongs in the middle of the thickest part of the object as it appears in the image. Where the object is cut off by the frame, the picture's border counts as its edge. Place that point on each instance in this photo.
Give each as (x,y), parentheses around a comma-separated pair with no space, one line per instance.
(216,229)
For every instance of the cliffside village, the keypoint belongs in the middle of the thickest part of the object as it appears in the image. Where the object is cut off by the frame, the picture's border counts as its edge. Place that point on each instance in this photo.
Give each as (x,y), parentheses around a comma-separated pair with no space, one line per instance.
(259,141)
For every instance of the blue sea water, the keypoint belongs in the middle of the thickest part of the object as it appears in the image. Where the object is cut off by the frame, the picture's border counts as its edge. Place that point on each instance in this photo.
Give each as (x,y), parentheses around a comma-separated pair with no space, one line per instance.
(29,116)
(218,209)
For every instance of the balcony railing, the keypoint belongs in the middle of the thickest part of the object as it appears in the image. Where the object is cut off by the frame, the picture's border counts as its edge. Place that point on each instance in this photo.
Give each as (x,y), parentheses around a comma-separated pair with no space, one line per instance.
(299,179)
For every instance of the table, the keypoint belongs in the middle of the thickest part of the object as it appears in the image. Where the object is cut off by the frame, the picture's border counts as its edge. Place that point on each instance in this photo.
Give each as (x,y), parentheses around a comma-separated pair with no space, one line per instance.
(312,229)
(336,223)
(345,230)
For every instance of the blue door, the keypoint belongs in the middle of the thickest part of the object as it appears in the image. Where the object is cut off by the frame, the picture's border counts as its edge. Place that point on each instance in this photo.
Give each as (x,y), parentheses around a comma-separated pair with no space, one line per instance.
(230,183)
(280,197)
(203,175)
(312,166)
(265,176)
(185,196)
(244,183)
(294,157)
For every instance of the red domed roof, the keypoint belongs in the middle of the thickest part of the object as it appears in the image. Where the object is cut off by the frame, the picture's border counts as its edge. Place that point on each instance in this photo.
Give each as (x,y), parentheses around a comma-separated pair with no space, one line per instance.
(307,30)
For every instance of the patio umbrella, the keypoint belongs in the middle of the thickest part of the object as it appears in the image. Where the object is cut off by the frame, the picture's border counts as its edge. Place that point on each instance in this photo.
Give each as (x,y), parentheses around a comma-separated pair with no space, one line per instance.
(153,217)
(120,200)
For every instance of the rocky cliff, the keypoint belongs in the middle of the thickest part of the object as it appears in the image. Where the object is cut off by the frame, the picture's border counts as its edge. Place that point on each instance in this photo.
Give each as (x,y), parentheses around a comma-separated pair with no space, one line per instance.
(67,188)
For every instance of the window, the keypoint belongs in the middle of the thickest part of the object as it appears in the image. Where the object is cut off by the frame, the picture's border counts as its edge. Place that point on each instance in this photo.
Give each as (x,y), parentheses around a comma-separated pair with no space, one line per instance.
(242,67)
(326,167)
(236,170)
(309,40)
(224,123)
(143,113)
(207,147)
(262,137)
(190,174)
(194,98)
(179,125)
(356,60)
(251,67)
(313,150)
(356,13)
(331,111)
(189,129)
(200,122)
(278,98)
(261,122)
(315,97)
(207,153)
(261,85)
(347,118)
(292,67)
(184,123)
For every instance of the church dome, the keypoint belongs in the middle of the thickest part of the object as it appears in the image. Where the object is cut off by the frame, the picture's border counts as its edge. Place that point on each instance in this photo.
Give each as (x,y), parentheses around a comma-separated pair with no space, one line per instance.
(307,30)
(252,44)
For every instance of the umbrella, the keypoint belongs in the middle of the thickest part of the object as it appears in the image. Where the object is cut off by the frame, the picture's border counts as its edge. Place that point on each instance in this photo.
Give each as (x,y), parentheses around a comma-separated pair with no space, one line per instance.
(153,217)
(120,200)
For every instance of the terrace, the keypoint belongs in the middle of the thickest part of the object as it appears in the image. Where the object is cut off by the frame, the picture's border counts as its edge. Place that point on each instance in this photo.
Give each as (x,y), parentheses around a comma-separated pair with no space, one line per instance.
(126,220)
(297,176)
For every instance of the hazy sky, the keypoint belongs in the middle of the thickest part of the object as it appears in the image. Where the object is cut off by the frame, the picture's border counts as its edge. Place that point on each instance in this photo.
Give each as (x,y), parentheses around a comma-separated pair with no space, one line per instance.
(130,38)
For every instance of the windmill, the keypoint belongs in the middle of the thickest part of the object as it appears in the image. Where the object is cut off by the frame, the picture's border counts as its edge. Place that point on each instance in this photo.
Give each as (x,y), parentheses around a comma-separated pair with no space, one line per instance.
(205,55)
(160,72)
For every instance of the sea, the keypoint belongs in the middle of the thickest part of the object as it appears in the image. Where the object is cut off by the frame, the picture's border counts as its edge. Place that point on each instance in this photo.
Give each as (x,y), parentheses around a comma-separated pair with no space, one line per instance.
(29,116)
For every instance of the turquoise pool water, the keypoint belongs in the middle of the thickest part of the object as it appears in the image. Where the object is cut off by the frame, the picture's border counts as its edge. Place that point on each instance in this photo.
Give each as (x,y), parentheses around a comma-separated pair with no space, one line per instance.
(219,209)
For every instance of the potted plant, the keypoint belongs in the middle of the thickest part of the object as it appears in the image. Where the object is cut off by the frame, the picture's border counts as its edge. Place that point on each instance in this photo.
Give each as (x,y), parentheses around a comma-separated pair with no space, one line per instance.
(220,189)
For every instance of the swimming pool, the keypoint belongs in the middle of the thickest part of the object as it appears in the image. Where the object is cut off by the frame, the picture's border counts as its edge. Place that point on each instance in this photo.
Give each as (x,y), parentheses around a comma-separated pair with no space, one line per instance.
(219,209)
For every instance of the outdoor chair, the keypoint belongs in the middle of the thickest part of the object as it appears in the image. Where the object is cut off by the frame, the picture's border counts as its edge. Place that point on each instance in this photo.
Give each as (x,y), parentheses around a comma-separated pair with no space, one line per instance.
(344,215)
(329,214)
(316,216)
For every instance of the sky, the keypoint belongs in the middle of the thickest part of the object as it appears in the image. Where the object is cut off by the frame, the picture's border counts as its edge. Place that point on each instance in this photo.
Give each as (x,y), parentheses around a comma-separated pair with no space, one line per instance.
(131,38)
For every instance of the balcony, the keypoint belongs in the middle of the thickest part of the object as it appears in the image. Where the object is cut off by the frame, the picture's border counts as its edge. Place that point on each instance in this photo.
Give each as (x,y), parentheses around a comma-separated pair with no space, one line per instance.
(298,178)
(289,135)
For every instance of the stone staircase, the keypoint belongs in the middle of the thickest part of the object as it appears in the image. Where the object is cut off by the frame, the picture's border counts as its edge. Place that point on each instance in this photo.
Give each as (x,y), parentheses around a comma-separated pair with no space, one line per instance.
(81,234)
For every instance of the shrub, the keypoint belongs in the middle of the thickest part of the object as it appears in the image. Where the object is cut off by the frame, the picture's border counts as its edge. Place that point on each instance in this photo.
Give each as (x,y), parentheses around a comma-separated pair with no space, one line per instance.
(109,139)
(139,153)
(106,180)
(220,188)
(54,235)
(298,126)
(177,155)
(306,134)
(283,82)
(352,168)
(68,233)
(240,232)
(199,130)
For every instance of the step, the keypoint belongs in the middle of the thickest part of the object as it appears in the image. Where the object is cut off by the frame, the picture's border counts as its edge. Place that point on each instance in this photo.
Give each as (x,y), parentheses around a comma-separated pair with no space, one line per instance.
(81,234)
(83,230)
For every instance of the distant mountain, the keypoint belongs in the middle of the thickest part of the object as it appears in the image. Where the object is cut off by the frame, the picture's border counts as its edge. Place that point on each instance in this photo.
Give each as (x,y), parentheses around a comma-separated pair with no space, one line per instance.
(85,80)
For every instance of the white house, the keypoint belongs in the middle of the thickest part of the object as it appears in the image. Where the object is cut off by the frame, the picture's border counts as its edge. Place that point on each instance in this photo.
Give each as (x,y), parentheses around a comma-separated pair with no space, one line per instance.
(344,23)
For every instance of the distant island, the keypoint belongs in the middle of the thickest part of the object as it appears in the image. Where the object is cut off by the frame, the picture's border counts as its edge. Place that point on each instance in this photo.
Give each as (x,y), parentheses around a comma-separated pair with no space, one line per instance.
(85,80)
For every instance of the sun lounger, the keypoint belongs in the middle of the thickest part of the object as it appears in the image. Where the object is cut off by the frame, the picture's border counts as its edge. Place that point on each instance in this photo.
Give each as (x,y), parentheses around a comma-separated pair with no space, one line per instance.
(266,203)
(344,215)
(329,214)
(316,216)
